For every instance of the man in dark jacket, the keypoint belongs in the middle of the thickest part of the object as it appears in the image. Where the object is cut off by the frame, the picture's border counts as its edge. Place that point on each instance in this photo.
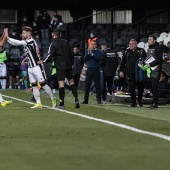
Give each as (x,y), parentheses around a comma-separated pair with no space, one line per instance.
(109,64)
(92,59)
(78,65)
(154,51)
(130,61)
(61,52)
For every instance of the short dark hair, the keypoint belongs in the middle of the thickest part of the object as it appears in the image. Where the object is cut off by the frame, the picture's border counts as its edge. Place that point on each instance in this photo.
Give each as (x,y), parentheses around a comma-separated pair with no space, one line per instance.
(56,32)
(133,40)
(163,73)
(153,36)
(104,44)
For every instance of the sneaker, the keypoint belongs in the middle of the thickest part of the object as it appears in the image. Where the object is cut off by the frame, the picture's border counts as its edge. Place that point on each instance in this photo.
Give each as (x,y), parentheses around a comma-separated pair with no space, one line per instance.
(153,106)
(6,102)
(77,105)
(84,102)
(139,103)
(61,107)
(104,102)
(10,87)
(19,87)
(70,92)
(133,104)
(54,103)
(38,105)
(54,91)
(91,93)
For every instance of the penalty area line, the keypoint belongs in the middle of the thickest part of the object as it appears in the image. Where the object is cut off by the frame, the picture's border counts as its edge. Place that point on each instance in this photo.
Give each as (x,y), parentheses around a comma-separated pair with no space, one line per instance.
(165,137)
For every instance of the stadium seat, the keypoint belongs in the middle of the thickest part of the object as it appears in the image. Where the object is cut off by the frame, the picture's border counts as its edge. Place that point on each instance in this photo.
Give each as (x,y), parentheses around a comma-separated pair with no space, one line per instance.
(163,35)
(141,44)
(159,39)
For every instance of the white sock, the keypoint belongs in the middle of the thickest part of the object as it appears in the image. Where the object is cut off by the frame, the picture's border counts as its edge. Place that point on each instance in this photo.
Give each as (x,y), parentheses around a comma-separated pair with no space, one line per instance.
(48,91)
(1,99)
(3,83)
(36,94)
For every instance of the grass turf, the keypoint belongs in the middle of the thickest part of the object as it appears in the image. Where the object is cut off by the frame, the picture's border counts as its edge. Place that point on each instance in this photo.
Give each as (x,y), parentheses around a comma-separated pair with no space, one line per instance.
(44,138)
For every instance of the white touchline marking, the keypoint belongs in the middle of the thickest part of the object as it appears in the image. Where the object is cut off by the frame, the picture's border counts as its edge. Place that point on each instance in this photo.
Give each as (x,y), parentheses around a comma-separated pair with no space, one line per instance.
(101,120)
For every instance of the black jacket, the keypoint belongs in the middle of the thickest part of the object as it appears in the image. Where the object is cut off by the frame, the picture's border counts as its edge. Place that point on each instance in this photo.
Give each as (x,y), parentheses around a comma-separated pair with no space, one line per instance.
(78,63)
(157,54)
(129,59)
(109,62)
(62,53)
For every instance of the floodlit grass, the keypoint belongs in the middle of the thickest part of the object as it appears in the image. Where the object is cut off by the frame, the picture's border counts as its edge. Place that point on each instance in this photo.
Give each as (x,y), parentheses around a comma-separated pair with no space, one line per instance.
(48,139)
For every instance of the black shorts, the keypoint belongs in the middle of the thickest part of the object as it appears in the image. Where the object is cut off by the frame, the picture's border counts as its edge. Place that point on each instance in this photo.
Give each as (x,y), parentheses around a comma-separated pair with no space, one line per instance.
(62,74)
(14,74)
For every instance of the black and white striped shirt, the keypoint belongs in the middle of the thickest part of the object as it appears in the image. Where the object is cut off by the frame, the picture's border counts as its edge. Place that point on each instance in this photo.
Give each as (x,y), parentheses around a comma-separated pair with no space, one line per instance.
(31,50)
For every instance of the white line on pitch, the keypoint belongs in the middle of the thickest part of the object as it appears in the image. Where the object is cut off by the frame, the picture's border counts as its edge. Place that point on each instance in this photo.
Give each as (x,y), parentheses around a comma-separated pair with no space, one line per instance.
(101,120)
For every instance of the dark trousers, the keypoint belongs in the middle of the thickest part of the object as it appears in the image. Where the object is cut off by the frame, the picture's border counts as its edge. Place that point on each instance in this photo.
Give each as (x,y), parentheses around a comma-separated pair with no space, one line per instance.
(154,89)
(133,85)
(95,76)
(53,78)
(108,80)
(76,78)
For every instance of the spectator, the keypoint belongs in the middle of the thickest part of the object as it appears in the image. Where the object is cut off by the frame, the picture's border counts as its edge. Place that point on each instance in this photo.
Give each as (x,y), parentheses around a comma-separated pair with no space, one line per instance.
(62,27)
(91,38)
(155,52)
(109,64)
(55,13)
(39,18)
(78,65)
(14,72)
(92,58)
(163,86)
(136,76)
(23,65)
(163,47)
(54,23)
(36,30)
(15,35)
(45,23)
(168,50)
(23,23)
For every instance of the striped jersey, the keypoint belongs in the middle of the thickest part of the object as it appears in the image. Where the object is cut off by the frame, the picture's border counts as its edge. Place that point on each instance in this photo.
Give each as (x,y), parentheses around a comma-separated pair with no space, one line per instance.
(31,50)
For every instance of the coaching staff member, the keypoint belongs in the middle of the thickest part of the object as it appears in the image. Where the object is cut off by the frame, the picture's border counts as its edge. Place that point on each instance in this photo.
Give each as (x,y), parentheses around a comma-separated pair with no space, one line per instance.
(60,50)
